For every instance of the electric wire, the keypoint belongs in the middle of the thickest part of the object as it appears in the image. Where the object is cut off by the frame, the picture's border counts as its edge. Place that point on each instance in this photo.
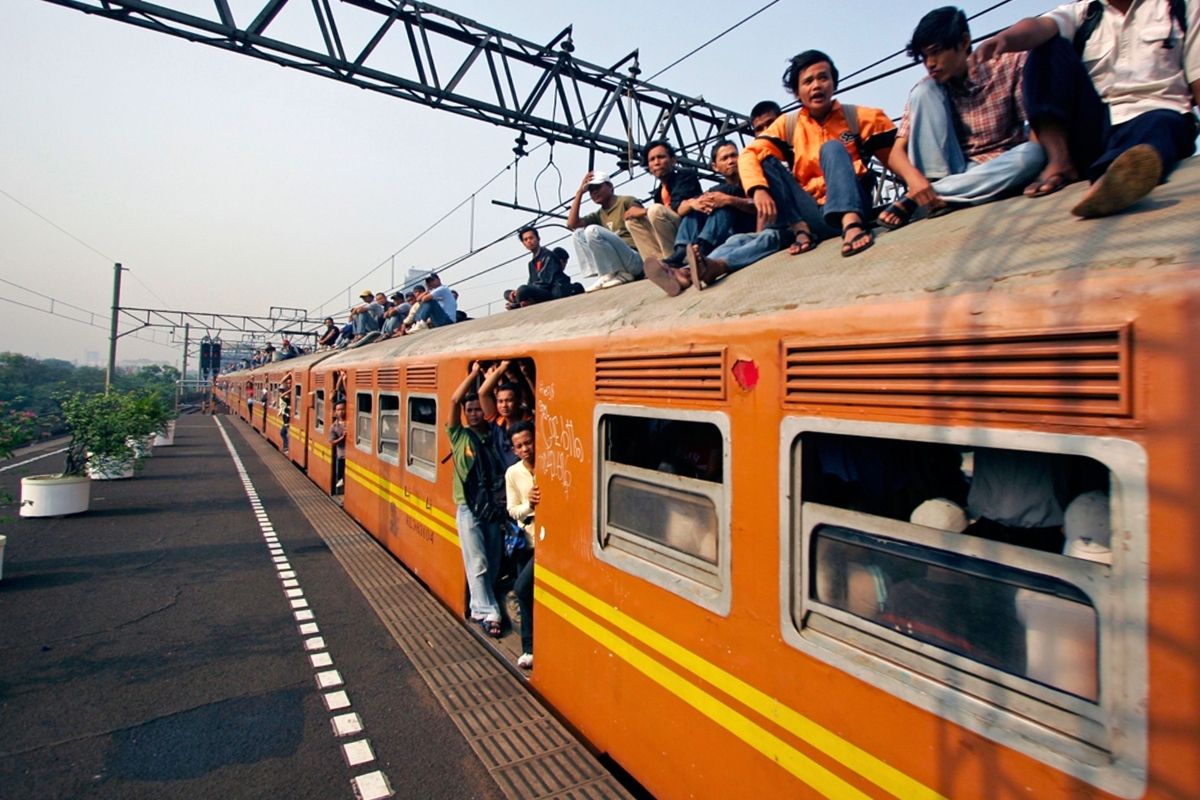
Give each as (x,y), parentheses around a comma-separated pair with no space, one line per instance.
(58,227)
(693,52)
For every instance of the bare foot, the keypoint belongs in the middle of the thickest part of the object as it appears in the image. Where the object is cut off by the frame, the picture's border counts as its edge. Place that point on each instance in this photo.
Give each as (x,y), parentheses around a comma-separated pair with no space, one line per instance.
(662,276)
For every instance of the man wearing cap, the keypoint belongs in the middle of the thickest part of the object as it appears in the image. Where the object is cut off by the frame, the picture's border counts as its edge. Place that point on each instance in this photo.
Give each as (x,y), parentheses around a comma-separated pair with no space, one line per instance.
(366,316)
(602,242)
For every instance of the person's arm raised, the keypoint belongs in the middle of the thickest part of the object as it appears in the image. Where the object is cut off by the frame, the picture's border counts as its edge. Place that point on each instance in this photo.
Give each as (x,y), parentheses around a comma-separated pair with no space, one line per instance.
(1024,35)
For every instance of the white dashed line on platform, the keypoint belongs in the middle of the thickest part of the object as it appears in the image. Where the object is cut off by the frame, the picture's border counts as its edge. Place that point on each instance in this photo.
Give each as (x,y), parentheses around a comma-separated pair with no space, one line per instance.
(358,752)
(371,785)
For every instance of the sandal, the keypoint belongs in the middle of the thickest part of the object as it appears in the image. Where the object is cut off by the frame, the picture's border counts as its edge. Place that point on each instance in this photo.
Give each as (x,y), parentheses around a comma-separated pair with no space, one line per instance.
(1049,184)
(703,271)
(804,242)
(902,209)
(849,246)
(491,627)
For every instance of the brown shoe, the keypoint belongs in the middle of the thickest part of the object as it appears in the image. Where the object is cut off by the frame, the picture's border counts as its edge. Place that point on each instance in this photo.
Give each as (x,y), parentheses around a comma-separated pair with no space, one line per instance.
(1130,177)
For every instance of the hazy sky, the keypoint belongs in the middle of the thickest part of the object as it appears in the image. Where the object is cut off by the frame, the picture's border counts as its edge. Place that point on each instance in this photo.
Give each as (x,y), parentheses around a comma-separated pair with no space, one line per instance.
(228,184)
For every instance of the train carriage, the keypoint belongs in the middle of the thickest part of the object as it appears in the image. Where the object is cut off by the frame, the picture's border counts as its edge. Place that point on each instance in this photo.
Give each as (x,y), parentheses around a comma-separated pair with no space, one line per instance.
(734,594)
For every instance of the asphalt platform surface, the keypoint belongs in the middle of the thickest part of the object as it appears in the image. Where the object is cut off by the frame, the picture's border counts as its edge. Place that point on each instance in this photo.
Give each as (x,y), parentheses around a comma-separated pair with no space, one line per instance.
(147,650)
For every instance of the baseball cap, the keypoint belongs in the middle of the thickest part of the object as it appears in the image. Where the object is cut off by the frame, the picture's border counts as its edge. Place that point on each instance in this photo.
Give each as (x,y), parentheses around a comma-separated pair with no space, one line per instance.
(366,293)
(599,178)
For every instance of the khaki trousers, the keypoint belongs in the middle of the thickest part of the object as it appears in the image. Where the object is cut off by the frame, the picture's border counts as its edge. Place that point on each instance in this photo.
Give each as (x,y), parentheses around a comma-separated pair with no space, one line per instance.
(654,234)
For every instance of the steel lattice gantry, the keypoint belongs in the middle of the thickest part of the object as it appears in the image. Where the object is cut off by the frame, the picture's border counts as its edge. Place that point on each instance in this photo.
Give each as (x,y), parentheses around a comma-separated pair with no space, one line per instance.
(445,61)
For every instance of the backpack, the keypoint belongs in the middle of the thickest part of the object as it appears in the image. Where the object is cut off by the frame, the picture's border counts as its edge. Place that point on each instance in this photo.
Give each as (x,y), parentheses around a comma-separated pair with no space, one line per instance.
(1096,9)
(484,487)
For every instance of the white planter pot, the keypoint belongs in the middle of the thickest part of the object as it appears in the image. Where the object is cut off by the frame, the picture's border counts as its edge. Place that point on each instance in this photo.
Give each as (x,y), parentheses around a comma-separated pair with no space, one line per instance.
(103,468)
(54,495)
(140,446)
(167,437)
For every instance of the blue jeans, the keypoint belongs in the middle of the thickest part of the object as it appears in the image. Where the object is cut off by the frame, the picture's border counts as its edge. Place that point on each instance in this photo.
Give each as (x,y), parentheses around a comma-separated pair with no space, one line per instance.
(432,311)
(843,193)
(935,150)
(482,548)
(743,249)
(365,323)
(713,228)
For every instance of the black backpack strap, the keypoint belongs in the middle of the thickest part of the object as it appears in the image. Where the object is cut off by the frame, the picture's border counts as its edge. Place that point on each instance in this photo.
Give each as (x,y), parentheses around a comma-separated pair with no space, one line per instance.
(1179,12)
(1091,20)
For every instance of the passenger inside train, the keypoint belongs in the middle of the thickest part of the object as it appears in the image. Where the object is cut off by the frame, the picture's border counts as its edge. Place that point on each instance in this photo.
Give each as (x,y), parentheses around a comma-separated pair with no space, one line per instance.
(989,605)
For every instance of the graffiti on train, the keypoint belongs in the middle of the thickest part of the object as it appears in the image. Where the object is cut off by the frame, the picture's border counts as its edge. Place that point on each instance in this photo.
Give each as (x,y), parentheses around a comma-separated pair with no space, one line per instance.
(558,446)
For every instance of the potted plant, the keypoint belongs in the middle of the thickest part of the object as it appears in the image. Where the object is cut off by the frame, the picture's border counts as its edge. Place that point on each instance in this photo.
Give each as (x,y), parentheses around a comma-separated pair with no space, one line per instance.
(15,428)
(148,416)
(99,425)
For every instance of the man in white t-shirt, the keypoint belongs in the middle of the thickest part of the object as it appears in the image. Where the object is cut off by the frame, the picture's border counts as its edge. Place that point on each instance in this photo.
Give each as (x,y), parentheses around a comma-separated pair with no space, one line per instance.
(1110,87)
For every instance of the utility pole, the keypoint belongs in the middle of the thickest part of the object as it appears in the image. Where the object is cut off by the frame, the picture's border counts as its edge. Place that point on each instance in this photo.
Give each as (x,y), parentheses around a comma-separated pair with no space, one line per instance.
(187,329)
(112,334)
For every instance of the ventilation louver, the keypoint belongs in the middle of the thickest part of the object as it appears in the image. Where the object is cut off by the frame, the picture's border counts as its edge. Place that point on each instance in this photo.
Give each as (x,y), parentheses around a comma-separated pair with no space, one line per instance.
(1083,372)
(692,374)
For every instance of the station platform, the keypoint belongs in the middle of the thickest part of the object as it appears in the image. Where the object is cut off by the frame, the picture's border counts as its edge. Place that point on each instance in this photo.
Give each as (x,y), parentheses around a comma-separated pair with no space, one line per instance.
(217,627)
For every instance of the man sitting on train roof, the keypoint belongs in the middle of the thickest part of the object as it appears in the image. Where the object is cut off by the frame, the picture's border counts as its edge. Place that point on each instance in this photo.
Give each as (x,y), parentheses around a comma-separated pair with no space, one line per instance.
(763,114)
(395,315)
(602,240)
(663,230)
(547,281)
(828,189)
(367,316)
(727,241)
(964,124)
(1109,89)
(435,306)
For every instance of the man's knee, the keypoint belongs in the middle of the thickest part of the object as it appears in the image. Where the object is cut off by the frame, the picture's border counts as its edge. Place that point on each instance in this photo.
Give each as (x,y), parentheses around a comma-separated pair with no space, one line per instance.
(659,212)
(925,92)
(589,236)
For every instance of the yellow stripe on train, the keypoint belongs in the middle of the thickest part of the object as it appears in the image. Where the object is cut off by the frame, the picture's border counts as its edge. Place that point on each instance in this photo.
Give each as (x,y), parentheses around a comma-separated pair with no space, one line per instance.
(432,516)
(868,766)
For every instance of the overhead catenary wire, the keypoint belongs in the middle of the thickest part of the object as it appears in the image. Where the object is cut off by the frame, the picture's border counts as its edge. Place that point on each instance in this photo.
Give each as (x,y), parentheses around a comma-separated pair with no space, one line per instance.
(483,248)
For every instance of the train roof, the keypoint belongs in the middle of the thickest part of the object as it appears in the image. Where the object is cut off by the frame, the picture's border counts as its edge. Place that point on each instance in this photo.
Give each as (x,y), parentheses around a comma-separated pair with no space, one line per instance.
(991,247)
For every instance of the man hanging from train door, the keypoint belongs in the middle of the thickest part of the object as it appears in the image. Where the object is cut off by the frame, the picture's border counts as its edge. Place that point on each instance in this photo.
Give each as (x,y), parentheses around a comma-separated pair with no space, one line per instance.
(479,494)
(1110,89)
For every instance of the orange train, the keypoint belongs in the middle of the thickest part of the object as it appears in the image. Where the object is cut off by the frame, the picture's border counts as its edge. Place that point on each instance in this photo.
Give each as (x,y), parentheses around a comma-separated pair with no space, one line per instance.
(737,592)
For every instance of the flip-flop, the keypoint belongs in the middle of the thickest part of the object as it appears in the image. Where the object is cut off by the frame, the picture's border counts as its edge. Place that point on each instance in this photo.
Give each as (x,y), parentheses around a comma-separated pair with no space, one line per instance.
(848,248)
(903,208)
(702,275)
(491,627)
(798,247)
(1048,185)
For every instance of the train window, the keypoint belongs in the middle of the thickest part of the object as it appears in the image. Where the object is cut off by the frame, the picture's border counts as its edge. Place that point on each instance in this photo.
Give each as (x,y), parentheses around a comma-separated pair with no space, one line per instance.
(663,499)
(363,409)
(319,411)
(971,572)
(422,436)
(297,409)
(388,446)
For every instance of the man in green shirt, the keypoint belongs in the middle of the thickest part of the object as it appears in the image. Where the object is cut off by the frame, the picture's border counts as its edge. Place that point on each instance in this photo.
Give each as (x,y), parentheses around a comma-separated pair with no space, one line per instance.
(602,242)
(476,467)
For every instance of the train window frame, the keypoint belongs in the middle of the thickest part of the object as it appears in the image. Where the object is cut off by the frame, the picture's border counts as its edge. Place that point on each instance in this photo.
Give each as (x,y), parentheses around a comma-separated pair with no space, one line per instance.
(319,411)
(679,573)
(412,463)
(379,438)
(1103,743)
(297,402)
(363,439)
